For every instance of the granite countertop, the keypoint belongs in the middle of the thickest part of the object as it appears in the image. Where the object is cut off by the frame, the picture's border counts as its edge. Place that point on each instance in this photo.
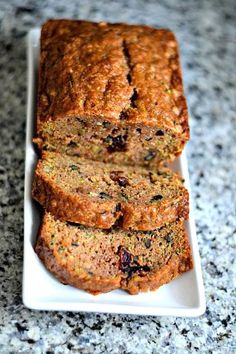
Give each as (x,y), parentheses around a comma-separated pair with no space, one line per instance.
(207,35)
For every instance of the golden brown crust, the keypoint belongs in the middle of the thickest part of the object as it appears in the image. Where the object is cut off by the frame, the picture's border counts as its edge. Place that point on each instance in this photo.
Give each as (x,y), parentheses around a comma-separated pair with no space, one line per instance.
(80,207)
(92,69)
(123,275)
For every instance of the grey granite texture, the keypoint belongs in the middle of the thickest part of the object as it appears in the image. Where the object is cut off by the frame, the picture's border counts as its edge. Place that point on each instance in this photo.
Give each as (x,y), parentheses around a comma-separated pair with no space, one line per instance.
(207,35)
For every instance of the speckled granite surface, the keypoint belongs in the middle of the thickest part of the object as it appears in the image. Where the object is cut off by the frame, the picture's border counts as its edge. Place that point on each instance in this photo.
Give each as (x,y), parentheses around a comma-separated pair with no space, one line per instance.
(206,31)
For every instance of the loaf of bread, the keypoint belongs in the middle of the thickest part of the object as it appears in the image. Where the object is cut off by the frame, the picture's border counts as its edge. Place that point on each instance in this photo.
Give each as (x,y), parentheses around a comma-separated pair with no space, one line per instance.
(111,92)
(110,111)
(100,261)
(99,194)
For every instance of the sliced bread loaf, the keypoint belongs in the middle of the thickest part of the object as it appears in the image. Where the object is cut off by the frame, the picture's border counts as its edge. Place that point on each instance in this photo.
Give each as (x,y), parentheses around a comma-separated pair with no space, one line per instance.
(98,194)
(102,260)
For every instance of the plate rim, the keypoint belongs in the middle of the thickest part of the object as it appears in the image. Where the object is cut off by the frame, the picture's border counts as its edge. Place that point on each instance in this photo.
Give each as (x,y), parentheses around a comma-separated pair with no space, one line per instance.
(34,304)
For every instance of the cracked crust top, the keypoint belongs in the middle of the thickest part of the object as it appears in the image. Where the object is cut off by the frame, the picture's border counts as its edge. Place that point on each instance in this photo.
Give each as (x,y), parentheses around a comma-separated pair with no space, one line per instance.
(127,74)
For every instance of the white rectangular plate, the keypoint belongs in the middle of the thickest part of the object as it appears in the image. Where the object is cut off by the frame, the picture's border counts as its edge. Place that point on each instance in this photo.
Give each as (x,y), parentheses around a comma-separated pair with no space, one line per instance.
(181,297)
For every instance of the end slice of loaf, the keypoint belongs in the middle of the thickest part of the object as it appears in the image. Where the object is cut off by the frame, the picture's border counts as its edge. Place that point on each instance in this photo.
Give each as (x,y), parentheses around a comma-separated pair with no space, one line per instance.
(102,260)
(98,194)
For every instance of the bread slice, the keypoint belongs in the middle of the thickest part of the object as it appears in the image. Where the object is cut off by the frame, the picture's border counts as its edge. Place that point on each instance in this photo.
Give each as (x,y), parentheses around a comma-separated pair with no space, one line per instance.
(98,194)
(111,92)
(102,260)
